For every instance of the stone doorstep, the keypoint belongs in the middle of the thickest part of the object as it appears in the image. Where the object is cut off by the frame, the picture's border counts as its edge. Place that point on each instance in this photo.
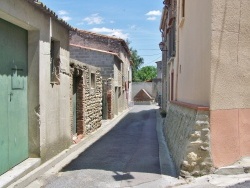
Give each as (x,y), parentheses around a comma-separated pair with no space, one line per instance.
(19,171)
(240,167)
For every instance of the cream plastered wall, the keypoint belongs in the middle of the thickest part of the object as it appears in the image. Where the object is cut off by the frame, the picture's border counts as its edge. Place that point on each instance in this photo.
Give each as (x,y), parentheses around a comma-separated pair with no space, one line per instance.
(230,70)
(194,46)
(230,78)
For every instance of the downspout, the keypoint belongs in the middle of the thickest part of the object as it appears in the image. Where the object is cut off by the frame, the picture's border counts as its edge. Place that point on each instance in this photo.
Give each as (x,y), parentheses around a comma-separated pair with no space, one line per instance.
(177,48)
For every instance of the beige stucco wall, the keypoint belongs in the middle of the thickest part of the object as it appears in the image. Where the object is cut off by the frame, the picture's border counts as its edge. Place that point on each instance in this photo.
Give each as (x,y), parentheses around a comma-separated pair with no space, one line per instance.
(230,130)
(194,53)
(49,120)
(230,78)
(230,71)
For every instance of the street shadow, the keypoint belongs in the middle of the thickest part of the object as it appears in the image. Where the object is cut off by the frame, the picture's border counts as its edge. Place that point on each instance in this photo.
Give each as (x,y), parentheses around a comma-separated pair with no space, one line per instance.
(120,177)
(130,146)
(245,184)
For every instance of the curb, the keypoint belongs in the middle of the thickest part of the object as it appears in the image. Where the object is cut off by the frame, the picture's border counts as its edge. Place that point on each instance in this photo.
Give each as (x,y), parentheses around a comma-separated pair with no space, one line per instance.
(166,162)
(59,161)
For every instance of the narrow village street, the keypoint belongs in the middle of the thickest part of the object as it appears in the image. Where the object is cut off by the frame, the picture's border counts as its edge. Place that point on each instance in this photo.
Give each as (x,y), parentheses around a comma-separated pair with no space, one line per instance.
(124,94)
(126,156)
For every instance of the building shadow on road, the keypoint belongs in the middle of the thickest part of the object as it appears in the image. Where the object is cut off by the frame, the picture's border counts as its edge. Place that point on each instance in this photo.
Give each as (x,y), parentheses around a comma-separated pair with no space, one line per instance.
(121,176)
(245,184)
(131,146)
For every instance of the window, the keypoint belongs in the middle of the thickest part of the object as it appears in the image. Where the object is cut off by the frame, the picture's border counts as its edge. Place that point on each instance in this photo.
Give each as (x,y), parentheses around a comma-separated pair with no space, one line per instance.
(92,80)
(55,62)
(119,66)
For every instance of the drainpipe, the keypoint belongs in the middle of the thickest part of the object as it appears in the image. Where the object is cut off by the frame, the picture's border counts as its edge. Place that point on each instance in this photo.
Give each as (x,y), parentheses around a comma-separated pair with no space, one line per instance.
(177,49)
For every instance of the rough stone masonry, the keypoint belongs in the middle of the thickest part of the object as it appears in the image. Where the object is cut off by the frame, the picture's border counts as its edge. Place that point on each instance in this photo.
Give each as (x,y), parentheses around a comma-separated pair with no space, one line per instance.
(189,140)
(89,98)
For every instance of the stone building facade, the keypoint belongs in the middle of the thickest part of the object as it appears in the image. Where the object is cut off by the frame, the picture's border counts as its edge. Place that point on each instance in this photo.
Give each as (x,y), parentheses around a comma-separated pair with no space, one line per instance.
(86,99)
(113,57)
(207,94)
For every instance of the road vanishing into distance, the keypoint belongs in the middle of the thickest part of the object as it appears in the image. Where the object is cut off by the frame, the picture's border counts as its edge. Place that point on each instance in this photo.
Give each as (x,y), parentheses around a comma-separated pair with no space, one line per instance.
(126,156)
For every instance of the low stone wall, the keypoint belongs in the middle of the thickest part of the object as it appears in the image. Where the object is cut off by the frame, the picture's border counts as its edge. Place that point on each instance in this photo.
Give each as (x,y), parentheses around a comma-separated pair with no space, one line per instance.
(187,132)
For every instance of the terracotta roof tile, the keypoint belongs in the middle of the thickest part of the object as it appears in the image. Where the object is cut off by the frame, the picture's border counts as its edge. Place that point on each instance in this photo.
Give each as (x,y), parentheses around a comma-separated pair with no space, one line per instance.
(123,42)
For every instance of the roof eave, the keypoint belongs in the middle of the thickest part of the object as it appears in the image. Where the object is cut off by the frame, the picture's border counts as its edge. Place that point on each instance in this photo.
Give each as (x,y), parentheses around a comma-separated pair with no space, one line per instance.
(164,16)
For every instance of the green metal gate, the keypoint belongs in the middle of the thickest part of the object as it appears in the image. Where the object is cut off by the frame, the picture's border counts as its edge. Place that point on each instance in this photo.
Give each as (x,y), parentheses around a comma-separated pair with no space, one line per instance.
(13,95)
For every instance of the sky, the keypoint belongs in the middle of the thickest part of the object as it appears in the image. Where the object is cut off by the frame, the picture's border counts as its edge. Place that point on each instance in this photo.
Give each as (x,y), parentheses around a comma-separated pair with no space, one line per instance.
(134,20)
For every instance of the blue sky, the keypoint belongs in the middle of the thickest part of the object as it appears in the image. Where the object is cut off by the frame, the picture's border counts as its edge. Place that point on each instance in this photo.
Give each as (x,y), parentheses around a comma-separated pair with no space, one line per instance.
(135,20)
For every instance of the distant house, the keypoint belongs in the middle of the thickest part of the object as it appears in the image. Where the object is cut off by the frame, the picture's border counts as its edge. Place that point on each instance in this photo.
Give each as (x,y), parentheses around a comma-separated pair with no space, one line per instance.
(113,57)
(143,98)
(206,60)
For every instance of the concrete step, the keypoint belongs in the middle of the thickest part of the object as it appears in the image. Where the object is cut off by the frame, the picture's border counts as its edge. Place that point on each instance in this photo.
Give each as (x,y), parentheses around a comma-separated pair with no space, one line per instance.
(240,167)
(19,171)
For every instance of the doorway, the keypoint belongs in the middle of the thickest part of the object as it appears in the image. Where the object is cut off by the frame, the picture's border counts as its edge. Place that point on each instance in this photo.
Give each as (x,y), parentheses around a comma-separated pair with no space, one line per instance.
(13,95)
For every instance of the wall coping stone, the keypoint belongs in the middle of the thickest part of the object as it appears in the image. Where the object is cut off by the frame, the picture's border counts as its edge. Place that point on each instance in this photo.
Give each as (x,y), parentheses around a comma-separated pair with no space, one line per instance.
(192,106)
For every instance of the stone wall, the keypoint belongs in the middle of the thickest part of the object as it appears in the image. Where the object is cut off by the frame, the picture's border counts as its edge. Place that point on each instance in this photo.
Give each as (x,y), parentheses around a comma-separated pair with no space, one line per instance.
(187,132)
(93,101)
(89,99)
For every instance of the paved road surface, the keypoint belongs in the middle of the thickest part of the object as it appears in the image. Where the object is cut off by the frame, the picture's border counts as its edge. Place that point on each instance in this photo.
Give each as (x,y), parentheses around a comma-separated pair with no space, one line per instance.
(126,156)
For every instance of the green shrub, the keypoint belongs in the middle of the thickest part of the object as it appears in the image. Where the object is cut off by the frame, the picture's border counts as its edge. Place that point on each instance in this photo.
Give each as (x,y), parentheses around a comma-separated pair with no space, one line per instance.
(163,113)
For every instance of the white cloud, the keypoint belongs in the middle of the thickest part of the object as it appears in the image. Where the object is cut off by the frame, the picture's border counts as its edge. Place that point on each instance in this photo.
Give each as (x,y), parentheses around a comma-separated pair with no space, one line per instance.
(111,32)
(62,12)
(133,27)
(154,13)
(66,18)
(151,18)
(93,19)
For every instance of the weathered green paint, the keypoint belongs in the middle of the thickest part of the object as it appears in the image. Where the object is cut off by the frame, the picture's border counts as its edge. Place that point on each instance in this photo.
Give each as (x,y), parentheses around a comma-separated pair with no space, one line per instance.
(13,95)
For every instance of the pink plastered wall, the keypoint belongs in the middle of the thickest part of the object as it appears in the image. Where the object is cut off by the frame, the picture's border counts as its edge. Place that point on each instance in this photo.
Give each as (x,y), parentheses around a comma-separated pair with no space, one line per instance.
(230,135)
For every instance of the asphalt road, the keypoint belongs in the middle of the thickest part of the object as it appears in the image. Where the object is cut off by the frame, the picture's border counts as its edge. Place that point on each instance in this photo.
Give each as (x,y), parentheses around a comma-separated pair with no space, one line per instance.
(126,156)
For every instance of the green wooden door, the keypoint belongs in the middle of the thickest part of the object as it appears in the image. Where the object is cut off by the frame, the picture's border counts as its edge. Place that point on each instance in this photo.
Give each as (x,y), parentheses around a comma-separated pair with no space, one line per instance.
(13,96)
